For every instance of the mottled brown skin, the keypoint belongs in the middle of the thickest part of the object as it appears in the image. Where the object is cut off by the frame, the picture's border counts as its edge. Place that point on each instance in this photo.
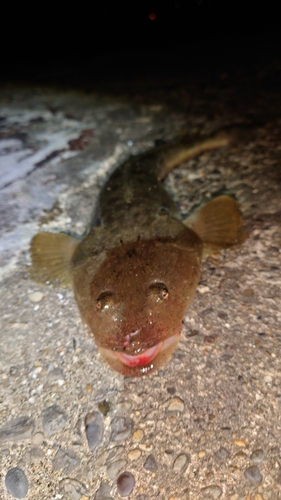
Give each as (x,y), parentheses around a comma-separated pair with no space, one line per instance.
(142,288)
(135,274)
(142,292)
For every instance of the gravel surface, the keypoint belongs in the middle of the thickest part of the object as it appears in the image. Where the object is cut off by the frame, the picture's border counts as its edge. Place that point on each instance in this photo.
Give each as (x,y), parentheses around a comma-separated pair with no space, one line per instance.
(205,426)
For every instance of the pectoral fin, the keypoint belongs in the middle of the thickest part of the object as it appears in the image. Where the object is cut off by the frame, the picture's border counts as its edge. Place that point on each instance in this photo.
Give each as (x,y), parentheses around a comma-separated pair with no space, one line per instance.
(218,223)
(51,255)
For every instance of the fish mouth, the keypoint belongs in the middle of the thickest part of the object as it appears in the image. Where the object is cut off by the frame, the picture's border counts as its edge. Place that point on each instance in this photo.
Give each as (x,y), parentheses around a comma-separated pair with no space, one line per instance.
(143,363)
(139,359)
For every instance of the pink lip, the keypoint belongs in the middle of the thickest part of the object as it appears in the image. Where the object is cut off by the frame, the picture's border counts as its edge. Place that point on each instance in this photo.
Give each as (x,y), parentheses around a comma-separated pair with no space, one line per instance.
(140,359)
(145,357)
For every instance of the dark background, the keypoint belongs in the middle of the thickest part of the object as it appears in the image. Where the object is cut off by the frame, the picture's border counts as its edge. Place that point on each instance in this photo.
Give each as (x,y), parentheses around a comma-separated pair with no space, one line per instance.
(106,40)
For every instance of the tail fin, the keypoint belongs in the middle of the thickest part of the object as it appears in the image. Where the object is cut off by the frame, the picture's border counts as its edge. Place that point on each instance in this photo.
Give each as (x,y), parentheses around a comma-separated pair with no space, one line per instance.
(171,155)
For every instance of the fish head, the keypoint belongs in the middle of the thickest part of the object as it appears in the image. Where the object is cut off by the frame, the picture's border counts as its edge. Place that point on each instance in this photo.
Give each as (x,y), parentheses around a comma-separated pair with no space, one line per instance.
(135,302)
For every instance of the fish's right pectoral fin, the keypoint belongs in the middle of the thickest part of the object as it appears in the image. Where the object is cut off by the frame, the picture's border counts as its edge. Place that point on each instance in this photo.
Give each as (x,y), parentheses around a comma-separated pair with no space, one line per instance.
(218,223)
(51,255)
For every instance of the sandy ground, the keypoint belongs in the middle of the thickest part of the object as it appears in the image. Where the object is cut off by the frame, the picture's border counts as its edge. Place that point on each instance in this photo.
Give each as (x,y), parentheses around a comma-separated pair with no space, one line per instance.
(207,425)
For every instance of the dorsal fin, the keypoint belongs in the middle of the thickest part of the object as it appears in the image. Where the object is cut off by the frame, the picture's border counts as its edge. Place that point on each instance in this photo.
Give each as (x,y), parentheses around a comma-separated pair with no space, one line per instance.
(51,255)
(218,223)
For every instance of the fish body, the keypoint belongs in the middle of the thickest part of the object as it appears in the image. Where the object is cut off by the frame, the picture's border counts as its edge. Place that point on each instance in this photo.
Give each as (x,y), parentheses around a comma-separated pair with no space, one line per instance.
(135,273)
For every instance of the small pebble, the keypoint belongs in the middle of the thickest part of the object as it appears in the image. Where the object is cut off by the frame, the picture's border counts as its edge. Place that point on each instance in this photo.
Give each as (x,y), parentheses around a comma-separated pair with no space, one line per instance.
(150,463)
(36,296)
(125,484)
(16,483)
(253,474)
(94,429)
(203,289)
(206,312)
(100,461)
(114,468)
(221,454)
(151,416)
(104,407)
(115,453)
(33,455)
(71,489)
(239,442)
(137,436)
(257,456)
(134,454)
(171,390)
(121,428)
(103,493)
(181,462)
(17,429)
(169,454)
(145,447)
(176,404)
(55,375)
(65,460)
(123,407)
(38,438)
(53,419)
(36,455)
(222,315)
(211,492)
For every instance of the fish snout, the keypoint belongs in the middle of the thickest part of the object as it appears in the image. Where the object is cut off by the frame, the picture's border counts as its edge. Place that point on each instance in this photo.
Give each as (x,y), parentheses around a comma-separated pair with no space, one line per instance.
(131,338)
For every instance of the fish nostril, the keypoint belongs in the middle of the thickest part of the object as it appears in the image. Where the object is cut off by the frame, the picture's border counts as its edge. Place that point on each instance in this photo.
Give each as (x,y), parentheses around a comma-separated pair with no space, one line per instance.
(128,338)
(133,333)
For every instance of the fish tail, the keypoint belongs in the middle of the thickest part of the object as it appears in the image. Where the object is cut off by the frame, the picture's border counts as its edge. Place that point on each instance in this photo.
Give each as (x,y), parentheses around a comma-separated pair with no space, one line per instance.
(171,155)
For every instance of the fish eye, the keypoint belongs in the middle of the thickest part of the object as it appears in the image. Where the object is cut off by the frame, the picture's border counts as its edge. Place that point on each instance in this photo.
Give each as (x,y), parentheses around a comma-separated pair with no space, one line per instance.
(104,301)
(158,291)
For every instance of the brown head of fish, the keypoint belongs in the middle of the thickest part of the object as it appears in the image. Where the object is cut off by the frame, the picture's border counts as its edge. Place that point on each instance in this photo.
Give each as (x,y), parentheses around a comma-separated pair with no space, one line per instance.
(135,301)
(134,285)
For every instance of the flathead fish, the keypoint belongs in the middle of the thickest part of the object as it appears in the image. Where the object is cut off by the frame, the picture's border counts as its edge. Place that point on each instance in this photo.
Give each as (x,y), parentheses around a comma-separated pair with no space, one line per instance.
(135,273)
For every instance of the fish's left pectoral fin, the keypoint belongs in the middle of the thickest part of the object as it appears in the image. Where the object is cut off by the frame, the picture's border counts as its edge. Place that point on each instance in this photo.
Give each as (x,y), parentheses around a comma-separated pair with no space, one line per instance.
(218,223)
(51,255)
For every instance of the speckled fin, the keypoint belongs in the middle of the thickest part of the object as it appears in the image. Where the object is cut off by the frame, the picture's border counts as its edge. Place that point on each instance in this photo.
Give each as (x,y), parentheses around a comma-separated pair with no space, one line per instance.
(218,223)
(51,255)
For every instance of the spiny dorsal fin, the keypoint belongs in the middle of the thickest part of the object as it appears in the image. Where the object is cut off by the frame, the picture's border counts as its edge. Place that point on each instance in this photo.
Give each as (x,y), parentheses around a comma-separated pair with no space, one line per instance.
(218,223)
(51,255)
